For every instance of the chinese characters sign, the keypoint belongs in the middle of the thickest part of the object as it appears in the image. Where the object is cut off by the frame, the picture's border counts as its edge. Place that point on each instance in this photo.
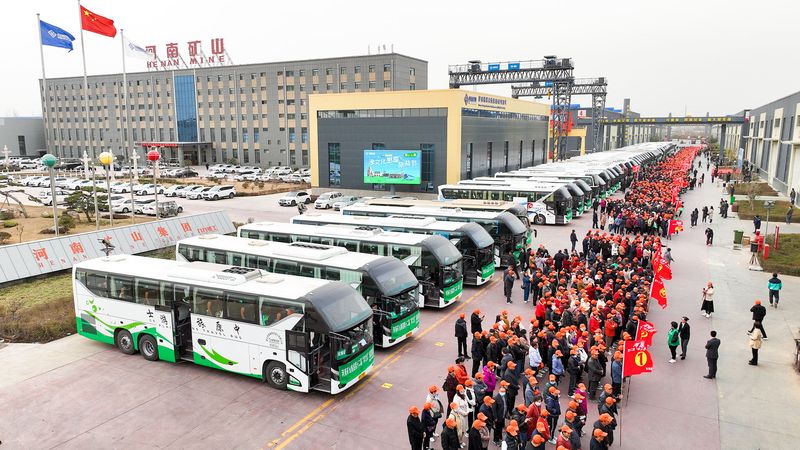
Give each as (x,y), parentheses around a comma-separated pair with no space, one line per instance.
(171,56)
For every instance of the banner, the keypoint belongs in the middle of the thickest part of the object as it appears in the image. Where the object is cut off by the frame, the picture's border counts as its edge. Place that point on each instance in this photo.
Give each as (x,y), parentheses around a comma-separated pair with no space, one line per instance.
(659,292)
(636,359)
(645,331)
(675,226)
(661,268)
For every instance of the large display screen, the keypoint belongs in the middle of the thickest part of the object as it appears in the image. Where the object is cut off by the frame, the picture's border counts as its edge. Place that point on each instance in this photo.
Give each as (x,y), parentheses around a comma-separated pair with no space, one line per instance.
(392,166)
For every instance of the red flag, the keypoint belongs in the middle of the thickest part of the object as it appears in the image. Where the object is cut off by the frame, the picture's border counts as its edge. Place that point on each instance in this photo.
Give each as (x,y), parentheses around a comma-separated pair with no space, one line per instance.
(675,226)
(97,24)
(636,359)
(659,292)
(645,331)
(661,269)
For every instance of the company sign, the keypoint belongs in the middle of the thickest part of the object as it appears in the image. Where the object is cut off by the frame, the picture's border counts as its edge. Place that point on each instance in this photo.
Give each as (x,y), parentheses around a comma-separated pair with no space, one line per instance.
(484,101)
(195,56)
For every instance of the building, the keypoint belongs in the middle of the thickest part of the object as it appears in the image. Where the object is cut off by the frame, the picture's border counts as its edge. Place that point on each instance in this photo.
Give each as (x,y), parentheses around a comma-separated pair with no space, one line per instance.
(459,135)
(771,142)
(256,114)
(23,136)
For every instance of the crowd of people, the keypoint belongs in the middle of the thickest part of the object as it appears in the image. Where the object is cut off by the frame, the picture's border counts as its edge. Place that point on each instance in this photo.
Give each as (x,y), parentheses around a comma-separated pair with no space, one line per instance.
(585,303)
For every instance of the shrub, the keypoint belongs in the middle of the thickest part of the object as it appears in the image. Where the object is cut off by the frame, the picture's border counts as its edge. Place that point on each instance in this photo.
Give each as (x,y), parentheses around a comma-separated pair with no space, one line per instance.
(66,221)
(4,237)
(47,214)
(6,214)
(9,224)
(246,185)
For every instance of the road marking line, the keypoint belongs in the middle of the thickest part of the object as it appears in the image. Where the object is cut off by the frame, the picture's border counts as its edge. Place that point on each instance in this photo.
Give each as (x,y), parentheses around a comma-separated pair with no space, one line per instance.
(394,356)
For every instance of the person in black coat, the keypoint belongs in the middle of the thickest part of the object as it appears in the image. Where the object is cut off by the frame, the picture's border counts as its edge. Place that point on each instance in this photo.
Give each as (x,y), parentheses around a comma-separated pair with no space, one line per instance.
(759,312)
(499,410)
(475,321)
(428,426)
(474,436)
(684,331)
(450,440)
(712,355)
(508,283)
(598,441)
(415,428)
(461,336)
(478,353)
(573,239)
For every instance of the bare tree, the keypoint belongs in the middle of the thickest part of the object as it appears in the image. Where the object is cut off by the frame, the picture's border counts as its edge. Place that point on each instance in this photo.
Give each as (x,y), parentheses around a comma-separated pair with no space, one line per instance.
(9,196)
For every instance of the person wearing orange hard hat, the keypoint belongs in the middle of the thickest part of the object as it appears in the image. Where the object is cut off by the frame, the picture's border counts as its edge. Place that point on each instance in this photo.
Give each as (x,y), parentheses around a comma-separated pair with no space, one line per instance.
(450,438)
(415,429)
(598,440)
(428,425)
(476,435)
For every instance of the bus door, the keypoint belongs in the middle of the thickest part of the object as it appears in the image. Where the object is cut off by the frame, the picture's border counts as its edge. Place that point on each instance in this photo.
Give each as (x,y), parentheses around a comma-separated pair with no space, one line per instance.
(182,320)
(298,355)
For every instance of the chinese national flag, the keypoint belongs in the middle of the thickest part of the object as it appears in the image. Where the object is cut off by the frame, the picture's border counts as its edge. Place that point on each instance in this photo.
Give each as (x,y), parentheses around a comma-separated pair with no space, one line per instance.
(644,332)
(636,359)
(662,269)
(97,24)
(659,292)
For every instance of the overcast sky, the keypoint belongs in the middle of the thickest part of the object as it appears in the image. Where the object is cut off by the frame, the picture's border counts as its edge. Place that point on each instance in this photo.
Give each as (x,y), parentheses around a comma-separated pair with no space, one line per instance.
(697,55)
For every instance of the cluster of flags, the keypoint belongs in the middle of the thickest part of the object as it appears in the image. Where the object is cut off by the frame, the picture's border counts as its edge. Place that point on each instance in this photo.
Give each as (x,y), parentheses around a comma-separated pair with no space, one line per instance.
(635,357)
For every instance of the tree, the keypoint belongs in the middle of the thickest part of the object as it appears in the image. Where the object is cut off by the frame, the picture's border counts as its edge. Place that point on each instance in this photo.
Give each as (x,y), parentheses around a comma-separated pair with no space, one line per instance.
(82,202)
(9,195)
(751,190)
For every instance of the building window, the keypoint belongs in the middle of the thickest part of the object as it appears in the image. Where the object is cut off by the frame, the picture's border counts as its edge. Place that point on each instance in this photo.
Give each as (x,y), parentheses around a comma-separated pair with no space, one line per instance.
(233,135)
(387,68)
(519,166)
(469,162)
(314,72)
(342,86)
(246,155)
(489,158)
(292,136)
(412,71)
(314,87)
(304,135)
(505,155)
(21,142)
(372,68)
(328,71)
(412,86)
(533,153)
(343,71)
(372,85)
(255,136)
(335,164)
(290,73)
(357,69)
(357,86)
(244,135)
(387,84)
(427,166)
(302,73)
(328,87)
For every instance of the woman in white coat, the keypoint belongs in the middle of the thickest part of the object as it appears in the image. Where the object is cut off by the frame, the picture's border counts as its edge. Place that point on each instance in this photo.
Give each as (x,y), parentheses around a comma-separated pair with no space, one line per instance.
(708,300)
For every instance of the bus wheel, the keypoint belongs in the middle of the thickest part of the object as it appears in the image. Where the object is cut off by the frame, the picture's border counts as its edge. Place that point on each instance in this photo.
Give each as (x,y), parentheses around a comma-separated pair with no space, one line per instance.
(539,219)
(148,347)
(276,376)
(124,342)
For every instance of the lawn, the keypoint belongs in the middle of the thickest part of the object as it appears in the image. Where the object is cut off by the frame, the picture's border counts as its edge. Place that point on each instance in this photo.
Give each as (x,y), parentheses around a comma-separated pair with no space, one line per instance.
(786,259)
(761,187)
(777,214)
(42,310)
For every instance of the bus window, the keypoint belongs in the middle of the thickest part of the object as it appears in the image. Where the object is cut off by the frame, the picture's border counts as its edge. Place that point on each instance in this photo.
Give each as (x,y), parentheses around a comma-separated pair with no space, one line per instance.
(448,194)
(97,283)
(349,245)
(185,252)
(281,238)
(474,194)
(257,262)
(251,235)
(147,292)
(307,271)
(236,259)
(216,257)
(167,294)
(122,288)
(331,274)
(314,239)
(326,241)
(372,249)
(286,267)
(494,195)
(183,293)
(208,302)
(302,239)
(509,196)
(241,307)
(401,252)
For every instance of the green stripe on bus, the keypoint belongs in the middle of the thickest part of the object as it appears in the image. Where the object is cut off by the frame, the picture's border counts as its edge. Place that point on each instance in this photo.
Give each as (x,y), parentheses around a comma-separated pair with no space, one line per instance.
(453,291)
(402,327)
(487,270)
(350,371)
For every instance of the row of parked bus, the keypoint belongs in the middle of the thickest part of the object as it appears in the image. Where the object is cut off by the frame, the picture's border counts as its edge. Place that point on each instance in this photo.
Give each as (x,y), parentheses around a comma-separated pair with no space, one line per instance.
(556,193)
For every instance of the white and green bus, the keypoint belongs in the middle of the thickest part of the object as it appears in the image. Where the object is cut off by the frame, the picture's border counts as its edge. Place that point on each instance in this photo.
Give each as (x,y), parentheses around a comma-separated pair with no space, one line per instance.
(579,197)
(470,239)
(589,192)
(509,234)
(387,284)
(295,333)
(546,204)
(434,260)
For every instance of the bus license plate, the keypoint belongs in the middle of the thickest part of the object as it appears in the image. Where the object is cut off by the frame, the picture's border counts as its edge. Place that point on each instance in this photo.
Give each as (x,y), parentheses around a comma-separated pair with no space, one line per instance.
(409,334)
(363,374)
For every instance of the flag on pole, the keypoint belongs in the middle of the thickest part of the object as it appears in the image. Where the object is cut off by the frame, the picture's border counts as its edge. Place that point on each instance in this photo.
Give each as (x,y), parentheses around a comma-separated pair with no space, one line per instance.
(97,24)
(137,51)
(55,36)
(659,292)
(675,225)
(662,269)
(636,359)
(645,331)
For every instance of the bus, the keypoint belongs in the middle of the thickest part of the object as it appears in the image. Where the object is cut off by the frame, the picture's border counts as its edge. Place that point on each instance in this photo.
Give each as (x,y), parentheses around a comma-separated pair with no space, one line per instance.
(470,239)
(577,193)
(589,192)
(546,204)
(520,211)
(434,260)
(509,234)
(292,332)
(386,283)
(593,182)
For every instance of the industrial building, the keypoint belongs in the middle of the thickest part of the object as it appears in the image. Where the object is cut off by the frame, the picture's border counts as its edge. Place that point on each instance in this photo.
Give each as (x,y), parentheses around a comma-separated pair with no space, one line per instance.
(256,114)
(459,135)
(771,142)
(23,136)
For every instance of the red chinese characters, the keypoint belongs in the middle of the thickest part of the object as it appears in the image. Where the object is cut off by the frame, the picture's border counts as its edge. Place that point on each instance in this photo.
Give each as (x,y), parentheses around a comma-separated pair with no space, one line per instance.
(76,248)
(217,46)
(162,231)
(151,49)
(172,50)
(186,227)
(136,236)
(40,254)
(193,45)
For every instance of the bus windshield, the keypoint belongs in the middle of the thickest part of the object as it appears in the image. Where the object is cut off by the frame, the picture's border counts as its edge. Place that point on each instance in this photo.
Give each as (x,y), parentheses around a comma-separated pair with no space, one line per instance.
(340,306)
(392,276)
(444,251)
(452,273)
(478,234)
(515,226)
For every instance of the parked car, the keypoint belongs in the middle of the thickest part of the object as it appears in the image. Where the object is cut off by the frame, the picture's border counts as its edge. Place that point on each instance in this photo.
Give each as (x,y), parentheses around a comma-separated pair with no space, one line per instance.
(81,184)
(182,193)
(344,201)
(216,175)
(103,205)
(326,200)
(185,172)
(30,181)
(46,197)
(173,191)
(293,198)
(246,175)
(306,179)
(244,169)
(231,169)
(140,204)
(294,178)
(150,189)
(28,164)
(197,194)
(165,209)
(123,206)
(218,192)
(122,187)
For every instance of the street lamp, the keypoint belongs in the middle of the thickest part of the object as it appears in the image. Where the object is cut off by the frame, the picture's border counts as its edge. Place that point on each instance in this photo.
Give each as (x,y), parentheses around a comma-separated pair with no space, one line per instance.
(50,161)
(134,177)
(106,159)
(6,152)
(154,156)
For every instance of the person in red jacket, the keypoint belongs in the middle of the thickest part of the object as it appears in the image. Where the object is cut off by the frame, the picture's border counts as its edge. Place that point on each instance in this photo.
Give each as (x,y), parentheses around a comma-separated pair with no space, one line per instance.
(461,371)
(542,427)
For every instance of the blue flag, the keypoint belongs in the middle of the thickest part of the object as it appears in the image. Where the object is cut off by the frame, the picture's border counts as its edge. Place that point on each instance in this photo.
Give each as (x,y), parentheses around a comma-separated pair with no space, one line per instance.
(54,36)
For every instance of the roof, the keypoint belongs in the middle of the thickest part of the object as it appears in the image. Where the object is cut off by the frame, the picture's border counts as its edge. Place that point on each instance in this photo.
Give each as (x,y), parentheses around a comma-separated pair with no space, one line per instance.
(338,231)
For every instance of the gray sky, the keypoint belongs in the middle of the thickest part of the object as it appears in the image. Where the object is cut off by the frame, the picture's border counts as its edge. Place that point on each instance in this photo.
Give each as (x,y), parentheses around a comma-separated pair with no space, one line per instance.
(699,55)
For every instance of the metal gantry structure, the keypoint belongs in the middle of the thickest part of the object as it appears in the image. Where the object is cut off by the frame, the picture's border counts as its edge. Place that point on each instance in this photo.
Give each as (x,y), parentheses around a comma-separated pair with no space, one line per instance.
(550,69)
(596,87)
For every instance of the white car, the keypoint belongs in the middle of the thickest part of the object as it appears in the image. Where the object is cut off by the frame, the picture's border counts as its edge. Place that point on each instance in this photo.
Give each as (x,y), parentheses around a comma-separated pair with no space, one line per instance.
(218,192)
(150,189)
(122,187)
(306,179)
(326,200)
(46,198)
(150,208)
(28,164)
(246,175)
(33,181)
(182,193)
(82,184)
(293,198)
(139,205)
(174,190)
(294,178)
(244,169)
(344,201)
(216,175)
(305,172)
(197,193)
(124,206)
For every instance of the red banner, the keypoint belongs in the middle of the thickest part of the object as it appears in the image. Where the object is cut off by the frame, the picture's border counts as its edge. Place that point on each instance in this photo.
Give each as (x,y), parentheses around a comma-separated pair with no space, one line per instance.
(675,225)
(661,268)
(636,359)
(659,292)
(645,331)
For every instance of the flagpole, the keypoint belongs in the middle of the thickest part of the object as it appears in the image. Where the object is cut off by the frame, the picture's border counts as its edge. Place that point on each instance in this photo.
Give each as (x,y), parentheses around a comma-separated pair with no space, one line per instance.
(128,149)
(87,129)
(44,84)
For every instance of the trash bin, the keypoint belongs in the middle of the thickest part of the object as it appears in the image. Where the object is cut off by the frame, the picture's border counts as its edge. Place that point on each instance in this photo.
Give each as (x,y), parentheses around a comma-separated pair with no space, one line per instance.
(737,236)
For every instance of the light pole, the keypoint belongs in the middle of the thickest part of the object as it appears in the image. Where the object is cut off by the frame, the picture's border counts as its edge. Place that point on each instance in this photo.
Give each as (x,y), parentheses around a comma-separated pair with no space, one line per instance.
(94,196)
(50,161)
(154,156)
(107,159)
(134,176)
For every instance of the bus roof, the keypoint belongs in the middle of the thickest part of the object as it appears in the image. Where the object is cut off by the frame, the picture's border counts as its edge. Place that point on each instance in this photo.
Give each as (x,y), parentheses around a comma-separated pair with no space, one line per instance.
(345,232)
(401,220)
(429,211)
(328,255)
(462,203)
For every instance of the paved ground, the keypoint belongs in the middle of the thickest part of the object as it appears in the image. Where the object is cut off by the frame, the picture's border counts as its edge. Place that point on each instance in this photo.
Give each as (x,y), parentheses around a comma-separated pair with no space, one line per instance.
(76,393)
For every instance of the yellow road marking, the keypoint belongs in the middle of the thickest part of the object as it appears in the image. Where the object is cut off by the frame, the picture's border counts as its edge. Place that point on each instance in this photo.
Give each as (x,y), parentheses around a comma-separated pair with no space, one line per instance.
(304,422)
(387,385)
(439,344)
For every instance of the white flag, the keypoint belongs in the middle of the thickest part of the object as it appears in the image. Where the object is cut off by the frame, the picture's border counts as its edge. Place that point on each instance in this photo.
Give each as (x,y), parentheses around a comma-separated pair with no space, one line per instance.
(138,51)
